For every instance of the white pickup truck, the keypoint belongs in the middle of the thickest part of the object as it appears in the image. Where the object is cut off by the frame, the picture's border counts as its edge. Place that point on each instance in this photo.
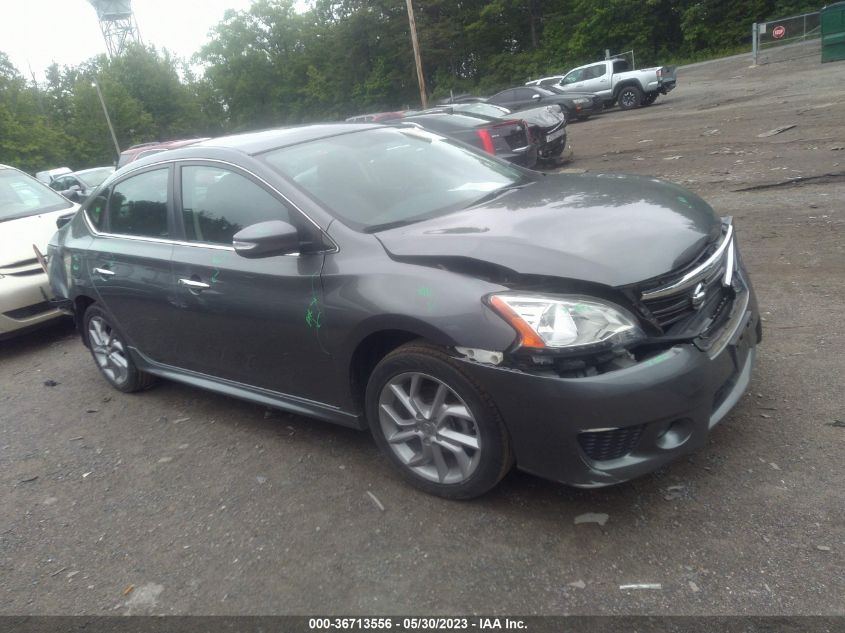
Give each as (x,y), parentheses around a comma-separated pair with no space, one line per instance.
(613,82)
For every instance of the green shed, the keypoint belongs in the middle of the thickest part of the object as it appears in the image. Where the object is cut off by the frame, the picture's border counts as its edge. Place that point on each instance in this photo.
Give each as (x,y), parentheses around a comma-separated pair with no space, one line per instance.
(833,32)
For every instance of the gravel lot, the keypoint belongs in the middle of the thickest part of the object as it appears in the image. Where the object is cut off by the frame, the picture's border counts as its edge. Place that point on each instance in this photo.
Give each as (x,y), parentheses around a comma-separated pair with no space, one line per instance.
(180,501)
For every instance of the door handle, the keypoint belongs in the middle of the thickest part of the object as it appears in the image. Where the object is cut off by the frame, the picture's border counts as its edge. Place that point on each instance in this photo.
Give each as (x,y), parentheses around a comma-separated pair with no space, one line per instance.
(104,272)
(194,285)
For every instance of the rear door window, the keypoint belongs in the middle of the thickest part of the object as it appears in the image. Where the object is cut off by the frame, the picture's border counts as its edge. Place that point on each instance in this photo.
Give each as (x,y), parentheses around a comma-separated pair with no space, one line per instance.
(620,66)
(524,94)
(217,203)
(596,71)
(503,97)
(138,205)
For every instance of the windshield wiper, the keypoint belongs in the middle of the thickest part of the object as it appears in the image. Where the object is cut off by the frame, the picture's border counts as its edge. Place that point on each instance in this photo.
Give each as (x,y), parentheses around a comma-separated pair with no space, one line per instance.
(496,193)
(375,228)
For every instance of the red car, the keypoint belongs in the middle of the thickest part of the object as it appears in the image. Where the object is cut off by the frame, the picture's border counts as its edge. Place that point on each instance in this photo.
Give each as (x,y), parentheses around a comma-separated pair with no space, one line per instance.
(145,149)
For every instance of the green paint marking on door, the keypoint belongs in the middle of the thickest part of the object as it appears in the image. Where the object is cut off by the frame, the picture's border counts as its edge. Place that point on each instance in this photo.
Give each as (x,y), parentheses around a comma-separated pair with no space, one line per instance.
(216,260)
(313,314)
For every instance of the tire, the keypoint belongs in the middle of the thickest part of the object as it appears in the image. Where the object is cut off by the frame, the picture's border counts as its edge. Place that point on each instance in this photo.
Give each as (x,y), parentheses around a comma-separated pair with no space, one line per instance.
(468,435)
(109,350)
(630,97)
(649,98)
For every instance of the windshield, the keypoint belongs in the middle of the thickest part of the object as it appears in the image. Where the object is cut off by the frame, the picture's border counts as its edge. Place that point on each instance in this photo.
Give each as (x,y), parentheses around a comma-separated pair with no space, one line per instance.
(21,195)
(94,177)
(384,177)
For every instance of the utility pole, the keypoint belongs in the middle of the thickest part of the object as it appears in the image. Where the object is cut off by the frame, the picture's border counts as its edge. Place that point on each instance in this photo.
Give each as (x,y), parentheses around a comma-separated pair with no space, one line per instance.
(417,60)
(108,119)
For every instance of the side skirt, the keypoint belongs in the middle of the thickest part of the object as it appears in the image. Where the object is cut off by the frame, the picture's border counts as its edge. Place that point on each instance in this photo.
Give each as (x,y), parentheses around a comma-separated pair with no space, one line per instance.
(292,404)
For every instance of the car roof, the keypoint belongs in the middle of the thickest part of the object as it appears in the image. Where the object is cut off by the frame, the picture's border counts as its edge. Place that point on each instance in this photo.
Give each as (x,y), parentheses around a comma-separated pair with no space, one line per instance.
(266,140)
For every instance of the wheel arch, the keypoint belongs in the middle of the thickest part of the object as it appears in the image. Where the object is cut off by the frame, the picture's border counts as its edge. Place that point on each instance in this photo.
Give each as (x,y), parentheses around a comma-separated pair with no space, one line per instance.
(377,341)
(625,84)
(80,304)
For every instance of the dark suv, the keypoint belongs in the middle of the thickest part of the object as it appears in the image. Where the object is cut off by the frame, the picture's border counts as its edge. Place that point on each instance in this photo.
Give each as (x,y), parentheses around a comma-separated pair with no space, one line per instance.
(470,313)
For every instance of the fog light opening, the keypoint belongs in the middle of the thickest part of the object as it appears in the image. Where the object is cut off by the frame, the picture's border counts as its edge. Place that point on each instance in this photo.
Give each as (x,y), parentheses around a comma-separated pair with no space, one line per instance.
(675,435)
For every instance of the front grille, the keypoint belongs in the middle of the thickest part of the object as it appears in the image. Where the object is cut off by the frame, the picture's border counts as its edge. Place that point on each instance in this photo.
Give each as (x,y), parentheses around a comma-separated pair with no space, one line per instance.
(670,308)
(677,307)
(602,446)
(22,268)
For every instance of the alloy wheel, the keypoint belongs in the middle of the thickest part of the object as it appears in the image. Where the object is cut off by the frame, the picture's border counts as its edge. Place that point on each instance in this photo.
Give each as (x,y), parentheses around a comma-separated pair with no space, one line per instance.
(430,428)
(108,350)
(629,98)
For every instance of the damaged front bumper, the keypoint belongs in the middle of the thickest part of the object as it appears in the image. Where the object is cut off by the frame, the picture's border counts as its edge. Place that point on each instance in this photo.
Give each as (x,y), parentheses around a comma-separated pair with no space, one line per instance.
(608,428)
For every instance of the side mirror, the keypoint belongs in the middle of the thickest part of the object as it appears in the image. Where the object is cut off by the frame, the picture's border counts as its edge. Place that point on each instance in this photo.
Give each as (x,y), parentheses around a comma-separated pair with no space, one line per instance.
(266,239)
(64,219)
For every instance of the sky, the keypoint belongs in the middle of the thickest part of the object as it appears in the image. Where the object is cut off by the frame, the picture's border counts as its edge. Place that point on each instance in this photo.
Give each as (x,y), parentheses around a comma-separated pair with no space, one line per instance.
(37,33)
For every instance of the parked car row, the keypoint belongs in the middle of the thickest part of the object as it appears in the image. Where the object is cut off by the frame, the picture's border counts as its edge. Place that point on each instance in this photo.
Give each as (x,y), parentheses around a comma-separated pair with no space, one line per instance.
(527,124)
(524,137)
(613,82)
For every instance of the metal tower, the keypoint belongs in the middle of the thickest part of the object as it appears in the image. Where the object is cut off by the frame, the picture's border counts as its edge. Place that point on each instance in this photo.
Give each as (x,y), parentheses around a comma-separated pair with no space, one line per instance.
(117,24)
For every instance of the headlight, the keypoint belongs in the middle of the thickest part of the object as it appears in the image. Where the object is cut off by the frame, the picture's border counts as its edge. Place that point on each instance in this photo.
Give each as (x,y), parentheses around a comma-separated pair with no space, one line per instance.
(580,101)
(566,322)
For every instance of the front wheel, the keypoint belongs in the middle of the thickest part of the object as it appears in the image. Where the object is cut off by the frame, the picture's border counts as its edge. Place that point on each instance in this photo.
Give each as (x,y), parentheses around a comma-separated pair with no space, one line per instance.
(439,428)
(111,352)
(630,97)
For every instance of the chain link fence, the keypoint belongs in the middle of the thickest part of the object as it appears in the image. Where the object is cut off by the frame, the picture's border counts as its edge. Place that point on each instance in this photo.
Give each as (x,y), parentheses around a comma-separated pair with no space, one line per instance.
(783,31)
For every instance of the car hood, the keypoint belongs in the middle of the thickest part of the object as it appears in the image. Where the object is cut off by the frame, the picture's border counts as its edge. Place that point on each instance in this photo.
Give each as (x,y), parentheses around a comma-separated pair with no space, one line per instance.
(17,236)
(608,229)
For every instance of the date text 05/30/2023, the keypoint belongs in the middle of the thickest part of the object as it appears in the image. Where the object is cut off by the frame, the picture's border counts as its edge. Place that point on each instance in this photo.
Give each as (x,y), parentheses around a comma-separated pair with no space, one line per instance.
(416,624)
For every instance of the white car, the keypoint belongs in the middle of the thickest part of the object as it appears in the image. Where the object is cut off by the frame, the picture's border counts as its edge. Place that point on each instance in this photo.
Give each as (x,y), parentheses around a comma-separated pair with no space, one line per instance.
(28,214)
(49,175)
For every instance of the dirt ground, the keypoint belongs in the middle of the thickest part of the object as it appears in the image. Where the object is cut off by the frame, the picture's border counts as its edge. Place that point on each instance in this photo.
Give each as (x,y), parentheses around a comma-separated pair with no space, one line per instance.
(181,501)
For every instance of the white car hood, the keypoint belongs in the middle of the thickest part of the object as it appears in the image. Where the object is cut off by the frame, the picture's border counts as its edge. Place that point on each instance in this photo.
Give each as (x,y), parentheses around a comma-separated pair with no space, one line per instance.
(18,236)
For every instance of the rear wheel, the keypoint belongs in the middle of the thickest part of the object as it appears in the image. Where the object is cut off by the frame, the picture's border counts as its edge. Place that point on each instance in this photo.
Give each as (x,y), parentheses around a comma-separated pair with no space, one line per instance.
(649,98)
(630,97)
(111,354)
(437,426)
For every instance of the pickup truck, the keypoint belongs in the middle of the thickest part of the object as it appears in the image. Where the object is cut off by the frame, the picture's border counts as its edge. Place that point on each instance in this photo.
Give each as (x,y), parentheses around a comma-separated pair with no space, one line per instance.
(613,82)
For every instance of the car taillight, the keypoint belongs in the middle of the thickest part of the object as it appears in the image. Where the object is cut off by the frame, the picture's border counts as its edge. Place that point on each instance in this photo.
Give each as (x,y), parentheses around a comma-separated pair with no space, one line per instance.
(487,141)
(659,72)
